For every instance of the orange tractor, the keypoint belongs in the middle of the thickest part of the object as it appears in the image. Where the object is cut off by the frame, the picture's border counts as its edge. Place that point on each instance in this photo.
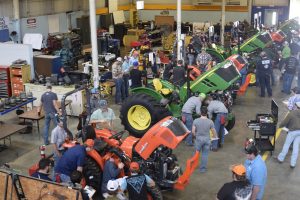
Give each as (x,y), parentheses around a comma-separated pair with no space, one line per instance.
(153,152)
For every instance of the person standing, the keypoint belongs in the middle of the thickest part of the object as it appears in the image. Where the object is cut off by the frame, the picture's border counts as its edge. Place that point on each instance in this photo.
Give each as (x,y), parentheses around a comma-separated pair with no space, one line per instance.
(256,171)
(264,73)
(191,52)
(137,183)
(193,104)
(136,76)
(217,108)
(239,188)
(50,105)
(43,170)
(167,71)
(292,122)
(125,70)
(117,75)
(201,131)
(73,159)
(294,99)
(203,60)
(58,137)
(289,73)
(285,54)
(179,74)
(110,172)
(103,117)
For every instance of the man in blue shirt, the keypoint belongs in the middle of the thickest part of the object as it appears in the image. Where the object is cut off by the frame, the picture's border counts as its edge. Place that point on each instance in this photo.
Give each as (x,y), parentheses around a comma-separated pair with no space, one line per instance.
(73,159)
(256,171)
(43,171)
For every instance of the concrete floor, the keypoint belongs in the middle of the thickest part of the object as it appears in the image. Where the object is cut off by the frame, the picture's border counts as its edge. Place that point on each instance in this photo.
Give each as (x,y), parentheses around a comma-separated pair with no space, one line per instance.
(282,181)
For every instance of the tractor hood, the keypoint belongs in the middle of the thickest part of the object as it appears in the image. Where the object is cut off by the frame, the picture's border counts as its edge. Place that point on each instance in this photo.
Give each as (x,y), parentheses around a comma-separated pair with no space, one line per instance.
(168,132)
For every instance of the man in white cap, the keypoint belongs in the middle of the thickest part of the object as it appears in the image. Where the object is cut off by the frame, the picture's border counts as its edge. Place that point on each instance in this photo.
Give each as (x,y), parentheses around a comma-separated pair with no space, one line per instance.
(104,116)
(117,75)
(292,122)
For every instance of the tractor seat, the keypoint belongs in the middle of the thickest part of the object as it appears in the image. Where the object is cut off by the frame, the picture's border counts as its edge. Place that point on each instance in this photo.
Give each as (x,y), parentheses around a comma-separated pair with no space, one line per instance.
(158,87)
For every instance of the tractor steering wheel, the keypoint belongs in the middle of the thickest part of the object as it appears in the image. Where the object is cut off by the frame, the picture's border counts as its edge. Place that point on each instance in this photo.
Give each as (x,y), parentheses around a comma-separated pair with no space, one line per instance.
(118,135)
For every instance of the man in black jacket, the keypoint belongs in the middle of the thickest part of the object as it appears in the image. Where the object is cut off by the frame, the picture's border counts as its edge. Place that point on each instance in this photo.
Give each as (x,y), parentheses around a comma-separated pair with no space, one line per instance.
(289,73)
(264,72)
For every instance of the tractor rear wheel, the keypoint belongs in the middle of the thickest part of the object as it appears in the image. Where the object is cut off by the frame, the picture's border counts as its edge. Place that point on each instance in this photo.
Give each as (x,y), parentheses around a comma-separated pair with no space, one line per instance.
(230,124)
(93,176)
(140,112)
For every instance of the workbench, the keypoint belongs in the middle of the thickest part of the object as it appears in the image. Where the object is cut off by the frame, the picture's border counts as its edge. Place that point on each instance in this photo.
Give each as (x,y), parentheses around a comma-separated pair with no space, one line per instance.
(18,106)
(78,99)
(7,130)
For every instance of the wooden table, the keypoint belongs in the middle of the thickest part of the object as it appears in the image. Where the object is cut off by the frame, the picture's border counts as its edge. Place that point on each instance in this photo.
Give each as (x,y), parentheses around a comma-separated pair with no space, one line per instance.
(33,116)
(7,130)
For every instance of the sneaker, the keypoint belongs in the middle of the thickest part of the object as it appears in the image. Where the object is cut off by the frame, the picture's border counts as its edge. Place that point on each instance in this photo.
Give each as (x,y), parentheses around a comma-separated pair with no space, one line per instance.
(202,170)
(292,167)
(279,161)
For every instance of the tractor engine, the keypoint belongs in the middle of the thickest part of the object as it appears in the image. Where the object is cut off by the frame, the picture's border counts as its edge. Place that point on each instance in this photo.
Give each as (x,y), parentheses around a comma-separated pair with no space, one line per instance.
(161,166)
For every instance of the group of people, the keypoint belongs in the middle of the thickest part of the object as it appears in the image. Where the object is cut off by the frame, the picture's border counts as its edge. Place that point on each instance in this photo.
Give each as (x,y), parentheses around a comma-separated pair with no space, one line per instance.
(122,72)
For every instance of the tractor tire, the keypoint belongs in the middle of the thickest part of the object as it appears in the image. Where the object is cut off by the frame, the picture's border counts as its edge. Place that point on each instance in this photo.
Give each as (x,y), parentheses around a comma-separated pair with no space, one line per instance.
(93,176)
(154,193)
(230,124)
(140,112)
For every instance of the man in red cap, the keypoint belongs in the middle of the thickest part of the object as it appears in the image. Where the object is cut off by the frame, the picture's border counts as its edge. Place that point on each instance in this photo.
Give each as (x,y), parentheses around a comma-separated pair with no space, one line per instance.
(137,183)
(239,188)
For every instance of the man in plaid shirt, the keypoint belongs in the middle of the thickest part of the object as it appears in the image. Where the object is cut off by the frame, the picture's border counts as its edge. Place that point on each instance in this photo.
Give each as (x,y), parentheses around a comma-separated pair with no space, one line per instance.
(203,59)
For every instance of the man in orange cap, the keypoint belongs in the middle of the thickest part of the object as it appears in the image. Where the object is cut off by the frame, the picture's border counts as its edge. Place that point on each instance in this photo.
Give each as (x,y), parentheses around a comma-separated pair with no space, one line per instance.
(239,188)
(137,183)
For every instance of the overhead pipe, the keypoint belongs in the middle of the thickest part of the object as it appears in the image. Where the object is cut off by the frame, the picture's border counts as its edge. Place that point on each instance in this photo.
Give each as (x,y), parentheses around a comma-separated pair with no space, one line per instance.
(179,43)
(92,6)
(223,22)
(16,10)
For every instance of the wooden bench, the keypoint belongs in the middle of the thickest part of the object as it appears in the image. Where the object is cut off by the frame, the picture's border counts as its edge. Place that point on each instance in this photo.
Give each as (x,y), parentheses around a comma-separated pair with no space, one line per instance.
(7,130)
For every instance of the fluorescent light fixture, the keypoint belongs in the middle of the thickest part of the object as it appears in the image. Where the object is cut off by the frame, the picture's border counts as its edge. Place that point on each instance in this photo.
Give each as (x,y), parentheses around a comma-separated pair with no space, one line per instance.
(274,17)
(139,5)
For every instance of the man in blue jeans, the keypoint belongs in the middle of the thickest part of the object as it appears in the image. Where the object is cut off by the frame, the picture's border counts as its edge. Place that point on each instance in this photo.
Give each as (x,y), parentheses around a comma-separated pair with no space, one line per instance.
(292,122)
(219,110)
(50,106)
(290,71)
(191,105)
(201,131)
(117,75)
(256,171)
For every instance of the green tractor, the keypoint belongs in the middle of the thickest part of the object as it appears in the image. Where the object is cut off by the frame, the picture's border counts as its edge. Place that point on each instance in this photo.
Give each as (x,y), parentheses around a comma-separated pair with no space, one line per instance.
(148,105)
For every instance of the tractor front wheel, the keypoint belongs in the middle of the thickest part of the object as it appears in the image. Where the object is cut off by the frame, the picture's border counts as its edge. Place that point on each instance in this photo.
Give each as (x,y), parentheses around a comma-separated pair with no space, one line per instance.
(140,112)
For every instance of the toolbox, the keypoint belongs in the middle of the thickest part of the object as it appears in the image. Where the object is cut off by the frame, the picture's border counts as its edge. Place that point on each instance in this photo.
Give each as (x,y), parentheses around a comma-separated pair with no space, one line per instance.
(5,83)
(264,127)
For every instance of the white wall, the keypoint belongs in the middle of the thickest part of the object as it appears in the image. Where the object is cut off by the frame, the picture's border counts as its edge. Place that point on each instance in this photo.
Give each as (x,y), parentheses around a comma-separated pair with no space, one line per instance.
(196,16)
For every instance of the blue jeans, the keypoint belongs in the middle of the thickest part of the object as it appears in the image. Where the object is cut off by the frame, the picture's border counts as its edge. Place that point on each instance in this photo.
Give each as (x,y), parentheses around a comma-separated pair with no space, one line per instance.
(202,145)
(126,85)
(191,58)
(292,137)
(65,178)
(48,118)
(264,82)
(120,90)
(287,82)
(220,129)
(188,122)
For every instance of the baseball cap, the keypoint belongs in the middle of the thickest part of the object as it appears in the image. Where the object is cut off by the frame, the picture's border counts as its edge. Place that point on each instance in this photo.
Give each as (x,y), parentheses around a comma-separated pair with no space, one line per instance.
(102,103)
(134,166)
(89,143)
(119,59)
(48,85)
(112,185)
(135,64)
(238,169)
(202,95)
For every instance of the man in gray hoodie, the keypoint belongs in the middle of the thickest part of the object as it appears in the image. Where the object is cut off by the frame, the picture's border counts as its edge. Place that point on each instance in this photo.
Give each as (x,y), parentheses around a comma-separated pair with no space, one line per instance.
(292,122)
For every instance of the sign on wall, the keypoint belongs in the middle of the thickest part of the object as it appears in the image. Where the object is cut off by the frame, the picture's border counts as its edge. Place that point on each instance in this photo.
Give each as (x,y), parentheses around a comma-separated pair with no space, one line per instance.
(31,23)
